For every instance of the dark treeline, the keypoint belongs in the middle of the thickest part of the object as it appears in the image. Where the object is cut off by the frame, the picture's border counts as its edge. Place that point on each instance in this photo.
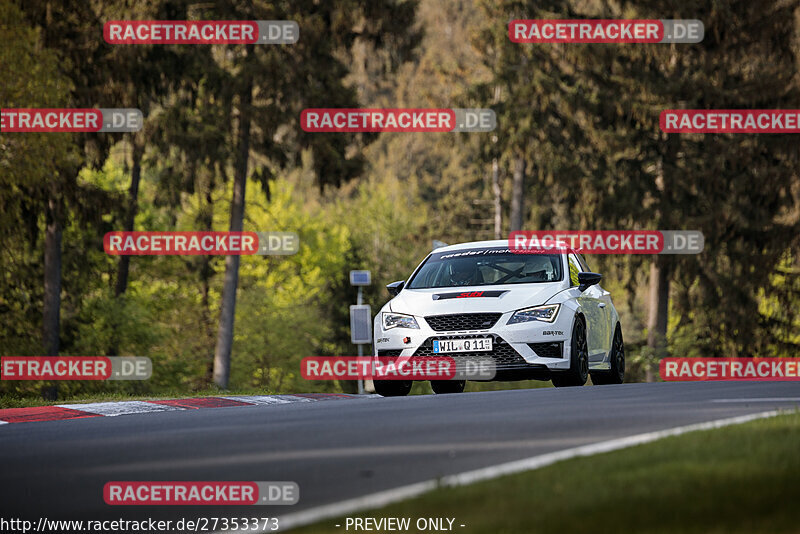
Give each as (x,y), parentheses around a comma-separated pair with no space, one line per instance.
(578,146)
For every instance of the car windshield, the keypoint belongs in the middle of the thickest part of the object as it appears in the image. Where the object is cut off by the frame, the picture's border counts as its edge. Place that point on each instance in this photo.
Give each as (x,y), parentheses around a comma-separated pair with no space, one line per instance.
(485,267)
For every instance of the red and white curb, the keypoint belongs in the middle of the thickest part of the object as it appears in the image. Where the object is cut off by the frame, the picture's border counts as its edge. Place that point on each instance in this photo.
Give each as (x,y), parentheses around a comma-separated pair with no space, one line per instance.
(112,409)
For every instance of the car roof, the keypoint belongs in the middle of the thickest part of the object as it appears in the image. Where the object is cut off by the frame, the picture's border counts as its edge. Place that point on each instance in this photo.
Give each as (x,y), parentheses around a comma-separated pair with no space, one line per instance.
(483,244)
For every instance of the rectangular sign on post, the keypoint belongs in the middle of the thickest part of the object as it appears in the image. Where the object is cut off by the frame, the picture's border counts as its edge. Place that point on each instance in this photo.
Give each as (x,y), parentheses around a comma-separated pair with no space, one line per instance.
(360,278)
(360,324)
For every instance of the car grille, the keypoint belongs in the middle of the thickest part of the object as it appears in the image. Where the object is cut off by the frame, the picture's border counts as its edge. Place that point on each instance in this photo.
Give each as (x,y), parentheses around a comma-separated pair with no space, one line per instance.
(503,354)
(548,350)
(390,352)
(462,321)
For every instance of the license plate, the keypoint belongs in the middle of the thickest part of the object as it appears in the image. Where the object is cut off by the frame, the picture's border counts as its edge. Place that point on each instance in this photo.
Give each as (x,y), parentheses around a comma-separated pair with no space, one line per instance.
(478,344)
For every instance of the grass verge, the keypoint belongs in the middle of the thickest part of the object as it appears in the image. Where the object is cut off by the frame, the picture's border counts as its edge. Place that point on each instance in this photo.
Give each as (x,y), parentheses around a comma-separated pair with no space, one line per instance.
(739,479)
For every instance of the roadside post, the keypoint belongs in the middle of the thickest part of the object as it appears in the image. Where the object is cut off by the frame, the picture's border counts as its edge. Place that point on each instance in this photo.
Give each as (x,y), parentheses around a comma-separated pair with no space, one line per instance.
(360,317)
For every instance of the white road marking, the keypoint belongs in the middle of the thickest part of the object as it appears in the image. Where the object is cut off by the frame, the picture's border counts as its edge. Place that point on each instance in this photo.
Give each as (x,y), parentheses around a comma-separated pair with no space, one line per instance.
(111,409)
(762,399)
(285,398)
(294,398)
(383,498)
(260,399)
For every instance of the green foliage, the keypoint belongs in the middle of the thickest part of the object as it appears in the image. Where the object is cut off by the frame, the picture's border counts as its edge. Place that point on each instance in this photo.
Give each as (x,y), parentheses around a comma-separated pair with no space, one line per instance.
(28,163)
(279,313)
(584,119)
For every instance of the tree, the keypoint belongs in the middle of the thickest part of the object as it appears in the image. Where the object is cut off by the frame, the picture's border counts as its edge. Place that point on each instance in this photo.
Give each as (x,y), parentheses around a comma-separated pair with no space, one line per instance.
(28,162)
(142,77)
(70,31)
(268,99)
(600,160)
(735,188)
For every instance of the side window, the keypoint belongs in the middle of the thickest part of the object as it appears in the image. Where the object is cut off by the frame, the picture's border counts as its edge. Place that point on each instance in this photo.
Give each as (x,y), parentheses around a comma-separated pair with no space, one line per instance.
(584,265)
(574,269)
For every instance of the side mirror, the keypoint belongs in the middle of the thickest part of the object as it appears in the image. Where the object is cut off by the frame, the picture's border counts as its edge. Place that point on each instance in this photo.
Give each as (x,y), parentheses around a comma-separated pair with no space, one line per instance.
(395,287)
(586,280)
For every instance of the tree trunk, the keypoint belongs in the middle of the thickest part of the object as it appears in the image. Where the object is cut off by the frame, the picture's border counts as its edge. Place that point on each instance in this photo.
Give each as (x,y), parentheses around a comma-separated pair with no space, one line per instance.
(517,193)
(658,311)
(51,307)
(51,310)
(222,354)
(206,221)
(661,266)
(130,216)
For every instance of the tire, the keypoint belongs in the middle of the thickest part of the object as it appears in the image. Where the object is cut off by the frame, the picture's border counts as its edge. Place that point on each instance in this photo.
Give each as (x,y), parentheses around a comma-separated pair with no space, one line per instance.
(441,387)
(615,375)
(392,388)
(579,359)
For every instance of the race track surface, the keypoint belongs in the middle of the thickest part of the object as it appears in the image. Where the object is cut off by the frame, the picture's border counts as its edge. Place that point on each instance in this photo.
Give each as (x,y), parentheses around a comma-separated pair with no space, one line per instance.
(339,450)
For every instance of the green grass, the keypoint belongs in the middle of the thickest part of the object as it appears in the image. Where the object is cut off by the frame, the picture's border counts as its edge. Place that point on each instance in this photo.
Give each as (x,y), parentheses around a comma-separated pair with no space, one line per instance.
(739,479)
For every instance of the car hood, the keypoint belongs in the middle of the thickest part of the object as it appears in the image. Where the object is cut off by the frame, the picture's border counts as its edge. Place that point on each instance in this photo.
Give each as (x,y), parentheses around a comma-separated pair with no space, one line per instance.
(499,298)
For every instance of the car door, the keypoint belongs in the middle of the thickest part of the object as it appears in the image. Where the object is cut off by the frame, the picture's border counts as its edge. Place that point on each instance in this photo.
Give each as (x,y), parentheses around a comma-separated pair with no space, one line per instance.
(593,310)
(602,326)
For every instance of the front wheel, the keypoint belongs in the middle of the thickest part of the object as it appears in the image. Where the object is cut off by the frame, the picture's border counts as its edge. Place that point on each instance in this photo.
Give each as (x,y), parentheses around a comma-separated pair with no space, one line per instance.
(441,387)
(578,371)
(392,388)
(615,375)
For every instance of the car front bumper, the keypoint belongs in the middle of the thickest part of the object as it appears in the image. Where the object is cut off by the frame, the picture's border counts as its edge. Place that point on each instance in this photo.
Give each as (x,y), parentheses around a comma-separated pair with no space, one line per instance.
(532,346)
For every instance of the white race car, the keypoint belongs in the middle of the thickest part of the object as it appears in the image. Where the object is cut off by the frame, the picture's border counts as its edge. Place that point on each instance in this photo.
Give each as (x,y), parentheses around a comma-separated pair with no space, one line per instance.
(539,315)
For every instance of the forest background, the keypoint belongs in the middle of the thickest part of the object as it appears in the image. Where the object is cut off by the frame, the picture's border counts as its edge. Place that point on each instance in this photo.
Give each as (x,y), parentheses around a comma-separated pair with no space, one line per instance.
(577,146)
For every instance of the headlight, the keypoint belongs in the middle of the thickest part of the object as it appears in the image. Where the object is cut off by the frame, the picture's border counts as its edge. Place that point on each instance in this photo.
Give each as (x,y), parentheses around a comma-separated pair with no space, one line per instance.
(398,320)
(546,314)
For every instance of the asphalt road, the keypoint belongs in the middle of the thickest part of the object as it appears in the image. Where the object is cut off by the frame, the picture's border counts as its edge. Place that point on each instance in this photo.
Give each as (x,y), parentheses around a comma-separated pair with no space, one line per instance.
(341,449)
